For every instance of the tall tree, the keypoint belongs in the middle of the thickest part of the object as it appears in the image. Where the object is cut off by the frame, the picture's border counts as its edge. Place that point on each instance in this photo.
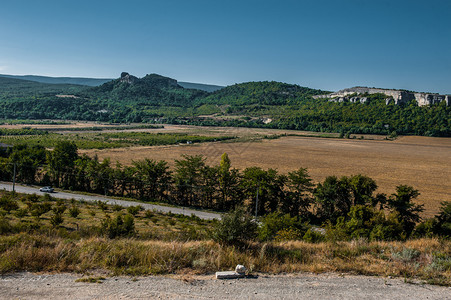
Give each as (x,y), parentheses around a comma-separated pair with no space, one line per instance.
(228,184)
(362,188)
(333,198)
(408,211)
(188,178)
(263,189)
(61,162)
(155,176)
(299,197)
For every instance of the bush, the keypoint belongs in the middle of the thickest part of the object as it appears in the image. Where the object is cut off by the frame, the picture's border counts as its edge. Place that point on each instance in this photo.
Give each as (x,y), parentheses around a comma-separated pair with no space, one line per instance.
(313,236)
(117,207)
(20,213)
(235,228)
(60,208)
(8,204)
(148,213)
(273,223)
(134,210)
(102,205)
(118,227)
(74,211)
(365,222)
(56,219)
(38,209)
(31,197)
(5,227)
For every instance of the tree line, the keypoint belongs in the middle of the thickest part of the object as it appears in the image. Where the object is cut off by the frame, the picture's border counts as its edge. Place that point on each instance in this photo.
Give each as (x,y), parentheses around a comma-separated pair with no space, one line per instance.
(348,205)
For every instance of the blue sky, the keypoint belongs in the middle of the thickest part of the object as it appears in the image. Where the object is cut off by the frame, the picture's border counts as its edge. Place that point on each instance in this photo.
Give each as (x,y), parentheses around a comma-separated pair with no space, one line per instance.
(322,44)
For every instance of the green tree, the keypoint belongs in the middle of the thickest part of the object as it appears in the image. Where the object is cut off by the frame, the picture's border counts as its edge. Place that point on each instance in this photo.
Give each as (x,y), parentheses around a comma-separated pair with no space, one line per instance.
(362,188)
(228,184)
(333,198)
(299,198)
(27,160)
(188,178)
(270,188)
(61,162)
(402,203)
(443,224)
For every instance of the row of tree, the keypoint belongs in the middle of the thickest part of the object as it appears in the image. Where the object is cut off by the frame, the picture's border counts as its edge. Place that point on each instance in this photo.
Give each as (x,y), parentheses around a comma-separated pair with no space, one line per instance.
(194,183)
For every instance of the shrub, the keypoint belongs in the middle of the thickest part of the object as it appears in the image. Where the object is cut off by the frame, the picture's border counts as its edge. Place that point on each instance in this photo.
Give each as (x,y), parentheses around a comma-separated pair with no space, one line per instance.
(444,220)
(8,204)
(47,198)
(313,236)
(406,255)
(5,227)
(56,219)
(275,222)
(288,234)
(117,207)
(235,228)
(74,211)
(118,227)
(20,213)
(38,209)
(102,205)
(134,210)
(31,197)
(148,213)
(60,208)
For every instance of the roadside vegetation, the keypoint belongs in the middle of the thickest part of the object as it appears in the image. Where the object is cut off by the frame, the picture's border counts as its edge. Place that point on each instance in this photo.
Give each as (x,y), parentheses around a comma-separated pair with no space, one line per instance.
(41,233)
(346,206)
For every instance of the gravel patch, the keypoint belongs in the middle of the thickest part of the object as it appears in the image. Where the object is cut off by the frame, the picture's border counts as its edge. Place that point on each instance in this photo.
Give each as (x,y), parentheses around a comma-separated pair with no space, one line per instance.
(302,286)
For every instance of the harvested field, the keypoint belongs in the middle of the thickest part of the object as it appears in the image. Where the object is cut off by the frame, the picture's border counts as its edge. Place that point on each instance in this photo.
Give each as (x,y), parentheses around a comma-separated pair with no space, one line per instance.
(421,162)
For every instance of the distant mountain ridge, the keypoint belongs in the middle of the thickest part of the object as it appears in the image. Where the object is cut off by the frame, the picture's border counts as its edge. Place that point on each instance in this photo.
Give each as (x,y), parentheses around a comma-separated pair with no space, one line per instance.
(60,80)
(99,81)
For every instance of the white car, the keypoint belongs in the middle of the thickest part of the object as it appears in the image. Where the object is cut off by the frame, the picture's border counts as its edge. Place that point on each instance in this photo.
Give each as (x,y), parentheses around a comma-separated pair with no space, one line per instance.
(46,189)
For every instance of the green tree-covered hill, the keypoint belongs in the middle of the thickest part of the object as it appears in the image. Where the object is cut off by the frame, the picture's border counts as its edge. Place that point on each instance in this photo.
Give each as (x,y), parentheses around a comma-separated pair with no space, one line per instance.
(155,98)
(152,89)
(263,93)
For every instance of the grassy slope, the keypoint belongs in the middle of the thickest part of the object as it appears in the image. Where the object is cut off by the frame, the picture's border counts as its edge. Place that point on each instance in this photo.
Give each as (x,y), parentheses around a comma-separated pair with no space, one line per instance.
(164,244)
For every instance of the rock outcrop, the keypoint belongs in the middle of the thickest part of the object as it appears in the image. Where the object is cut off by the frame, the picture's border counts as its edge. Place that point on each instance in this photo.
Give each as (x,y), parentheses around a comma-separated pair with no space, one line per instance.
(395,96)
(130,79)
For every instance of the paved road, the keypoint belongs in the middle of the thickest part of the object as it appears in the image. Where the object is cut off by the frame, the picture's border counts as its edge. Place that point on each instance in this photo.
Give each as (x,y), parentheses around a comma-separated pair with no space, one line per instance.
(88,198)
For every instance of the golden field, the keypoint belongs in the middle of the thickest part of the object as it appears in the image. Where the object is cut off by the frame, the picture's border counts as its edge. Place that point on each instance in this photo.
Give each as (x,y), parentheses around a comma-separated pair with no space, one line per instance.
(421,162)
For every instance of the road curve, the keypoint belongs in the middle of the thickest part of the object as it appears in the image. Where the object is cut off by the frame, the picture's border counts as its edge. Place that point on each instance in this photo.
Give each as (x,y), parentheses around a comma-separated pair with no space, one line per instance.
(63,195)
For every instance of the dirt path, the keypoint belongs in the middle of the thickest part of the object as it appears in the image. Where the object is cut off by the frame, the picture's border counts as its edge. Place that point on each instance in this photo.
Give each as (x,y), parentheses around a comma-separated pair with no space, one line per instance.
(303,286)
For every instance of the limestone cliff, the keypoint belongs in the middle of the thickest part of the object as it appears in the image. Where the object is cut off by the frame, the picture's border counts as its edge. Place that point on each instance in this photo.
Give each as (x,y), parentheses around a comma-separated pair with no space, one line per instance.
(397,96)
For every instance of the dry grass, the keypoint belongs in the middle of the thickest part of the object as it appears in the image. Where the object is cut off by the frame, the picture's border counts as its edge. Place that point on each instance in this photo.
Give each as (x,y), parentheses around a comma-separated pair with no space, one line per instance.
(171,244)
(421,162)
(134,257)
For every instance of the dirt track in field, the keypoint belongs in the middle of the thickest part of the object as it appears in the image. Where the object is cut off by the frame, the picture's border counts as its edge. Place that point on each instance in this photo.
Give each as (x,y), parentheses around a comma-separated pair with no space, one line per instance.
(421,162)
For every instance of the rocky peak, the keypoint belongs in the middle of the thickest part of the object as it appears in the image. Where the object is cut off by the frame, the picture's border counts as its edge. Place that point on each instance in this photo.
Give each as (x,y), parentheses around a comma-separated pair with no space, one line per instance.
(130,79)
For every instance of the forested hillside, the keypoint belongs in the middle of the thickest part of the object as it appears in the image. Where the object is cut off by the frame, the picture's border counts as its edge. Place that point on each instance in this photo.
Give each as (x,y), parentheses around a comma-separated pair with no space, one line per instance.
(155,98)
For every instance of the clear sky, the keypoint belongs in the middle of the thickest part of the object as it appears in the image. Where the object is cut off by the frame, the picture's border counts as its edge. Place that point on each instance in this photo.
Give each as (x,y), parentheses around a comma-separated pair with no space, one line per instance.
(326,44)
